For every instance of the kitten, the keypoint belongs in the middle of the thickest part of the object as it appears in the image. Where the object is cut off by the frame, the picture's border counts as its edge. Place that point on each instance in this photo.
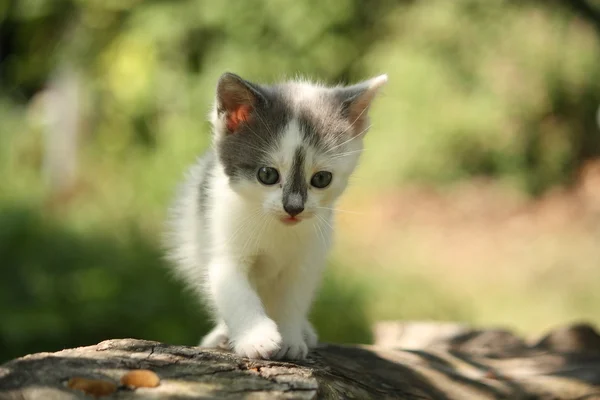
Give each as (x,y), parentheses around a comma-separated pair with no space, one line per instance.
(252,225)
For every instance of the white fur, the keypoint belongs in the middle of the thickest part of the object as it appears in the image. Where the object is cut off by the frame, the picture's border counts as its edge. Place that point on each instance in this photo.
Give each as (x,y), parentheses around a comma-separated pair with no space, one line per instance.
(258,274)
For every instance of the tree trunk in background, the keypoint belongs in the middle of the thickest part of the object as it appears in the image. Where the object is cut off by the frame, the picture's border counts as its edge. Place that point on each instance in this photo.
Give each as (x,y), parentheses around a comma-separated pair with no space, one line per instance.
(450,362)
(61,107)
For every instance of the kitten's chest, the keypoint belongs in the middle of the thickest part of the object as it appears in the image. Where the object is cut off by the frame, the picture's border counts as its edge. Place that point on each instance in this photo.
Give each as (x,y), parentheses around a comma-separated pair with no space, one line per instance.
(278,258)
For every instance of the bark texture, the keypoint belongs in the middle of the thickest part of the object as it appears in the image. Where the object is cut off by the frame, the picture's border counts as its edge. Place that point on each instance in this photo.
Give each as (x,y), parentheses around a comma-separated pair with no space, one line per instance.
(408,361)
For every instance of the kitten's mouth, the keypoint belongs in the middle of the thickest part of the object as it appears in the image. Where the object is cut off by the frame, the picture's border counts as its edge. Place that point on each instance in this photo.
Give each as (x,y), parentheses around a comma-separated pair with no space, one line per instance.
(290,220)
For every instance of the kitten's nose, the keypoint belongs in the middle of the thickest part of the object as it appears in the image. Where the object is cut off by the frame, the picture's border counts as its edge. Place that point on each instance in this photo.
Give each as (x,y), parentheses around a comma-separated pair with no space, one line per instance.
(293,209)
(293,204)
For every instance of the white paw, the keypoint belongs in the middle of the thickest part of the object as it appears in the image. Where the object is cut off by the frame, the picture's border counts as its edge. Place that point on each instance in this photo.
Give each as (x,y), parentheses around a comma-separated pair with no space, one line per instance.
(310,335)
(260,341)
(217,337)
(295,349)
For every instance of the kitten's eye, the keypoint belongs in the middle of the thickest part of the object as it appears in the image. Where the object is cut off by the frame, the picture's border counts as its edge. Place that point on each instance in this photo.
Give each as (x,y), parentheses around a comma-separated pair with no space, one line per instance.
(321,179)
(268,176)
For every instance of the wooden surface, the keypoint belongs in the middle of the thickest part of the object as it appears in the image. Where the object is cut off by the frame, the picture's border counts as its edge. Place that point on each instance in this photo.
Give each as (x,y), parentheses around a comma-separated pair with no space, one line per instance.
(409,361)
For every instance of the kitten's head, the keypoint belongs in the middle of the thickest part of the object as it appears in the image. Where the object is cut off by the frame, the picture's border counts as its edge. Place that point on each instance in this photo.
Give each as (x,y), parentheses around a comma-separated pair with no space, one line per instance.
(290,148)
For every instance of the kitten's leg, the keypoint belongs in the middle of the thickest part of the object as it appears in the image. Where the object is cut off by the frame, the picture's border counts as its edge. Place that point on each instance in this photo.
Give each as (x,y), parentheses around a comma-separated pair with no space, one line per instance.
(297,296)
(251,332)
(310,335)
(216,337)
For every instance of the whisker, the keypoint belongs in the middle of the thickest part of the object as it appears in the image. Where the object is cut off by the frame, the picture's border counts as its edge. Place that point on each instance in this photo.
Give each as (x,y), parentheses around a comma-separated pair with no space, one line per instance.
(347,153)
(265,125)
(320,232)
(260,139)
(253,236)
(260,118)
(349,140)
(243,225)
(339,209)
(245,222)
(325,221)
(258,235)
(356,119)
(262,151)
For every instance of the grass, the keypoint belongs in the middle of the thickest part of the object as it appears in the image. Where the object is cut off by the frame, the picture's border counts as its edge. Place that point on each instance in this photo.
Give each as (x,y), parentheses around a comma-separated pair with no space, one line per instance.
(478,254)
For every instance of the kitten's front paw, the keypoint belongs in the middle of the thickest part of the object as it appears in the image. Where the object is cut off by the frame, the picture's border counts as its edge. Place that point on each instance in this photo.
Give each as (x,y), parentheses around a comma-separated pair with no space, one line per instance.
(217,337)
(310,335)
(294,344)
(261,341)
(294,349)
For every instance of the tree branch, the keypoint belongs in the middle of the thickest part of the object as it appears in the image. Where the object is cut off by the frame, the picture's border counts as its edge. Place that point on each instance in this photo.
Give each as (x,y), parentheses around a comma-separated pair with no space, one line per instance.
(441,363)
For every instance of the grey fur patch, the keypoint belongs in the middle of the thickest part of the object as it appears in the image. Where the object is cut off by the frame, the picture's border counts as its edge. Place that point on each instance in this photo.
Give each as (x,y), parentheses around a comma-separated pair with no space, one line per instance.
(296,187)
(243,152)
(310,133)
(321,116)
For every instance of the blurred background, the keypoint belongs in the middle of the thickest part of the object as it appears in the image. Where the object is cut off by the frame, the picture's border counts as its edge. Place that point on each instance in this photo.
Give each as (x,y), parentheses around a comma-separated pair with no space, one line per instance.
(478,198)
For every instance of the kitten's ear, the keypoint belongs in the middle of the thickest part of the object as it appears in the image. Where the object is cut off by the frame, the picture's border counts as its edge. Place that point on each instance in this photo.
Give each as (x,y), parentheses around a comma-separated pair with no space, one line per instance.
(236,99)
(357,99)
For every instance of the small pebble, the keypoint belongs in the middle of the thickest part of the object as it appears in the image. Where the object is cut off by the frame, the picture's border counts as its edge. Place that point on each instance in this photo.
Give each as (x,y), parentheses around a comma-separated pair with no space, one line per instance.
(94,387)
(140,378)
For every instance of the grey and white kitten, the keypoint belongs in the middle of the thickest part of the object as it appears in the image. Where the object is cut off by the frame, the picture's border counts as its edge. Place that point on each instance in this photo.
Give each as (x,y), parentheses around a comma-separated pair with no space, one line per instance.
(252,225)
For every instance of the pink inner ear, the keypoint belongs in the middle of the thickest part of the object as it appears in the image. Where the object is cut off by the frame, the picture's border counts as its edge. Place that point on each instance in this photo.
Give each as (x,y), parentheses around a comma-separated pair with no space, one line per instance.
(238,116)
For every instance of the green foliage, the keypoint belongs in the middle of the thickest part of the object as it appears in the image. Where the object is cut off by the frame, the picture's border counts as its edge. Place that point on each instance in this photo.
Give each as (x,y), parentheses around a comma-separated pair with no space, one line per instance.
(340,312)
(494,88)
(62,288)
